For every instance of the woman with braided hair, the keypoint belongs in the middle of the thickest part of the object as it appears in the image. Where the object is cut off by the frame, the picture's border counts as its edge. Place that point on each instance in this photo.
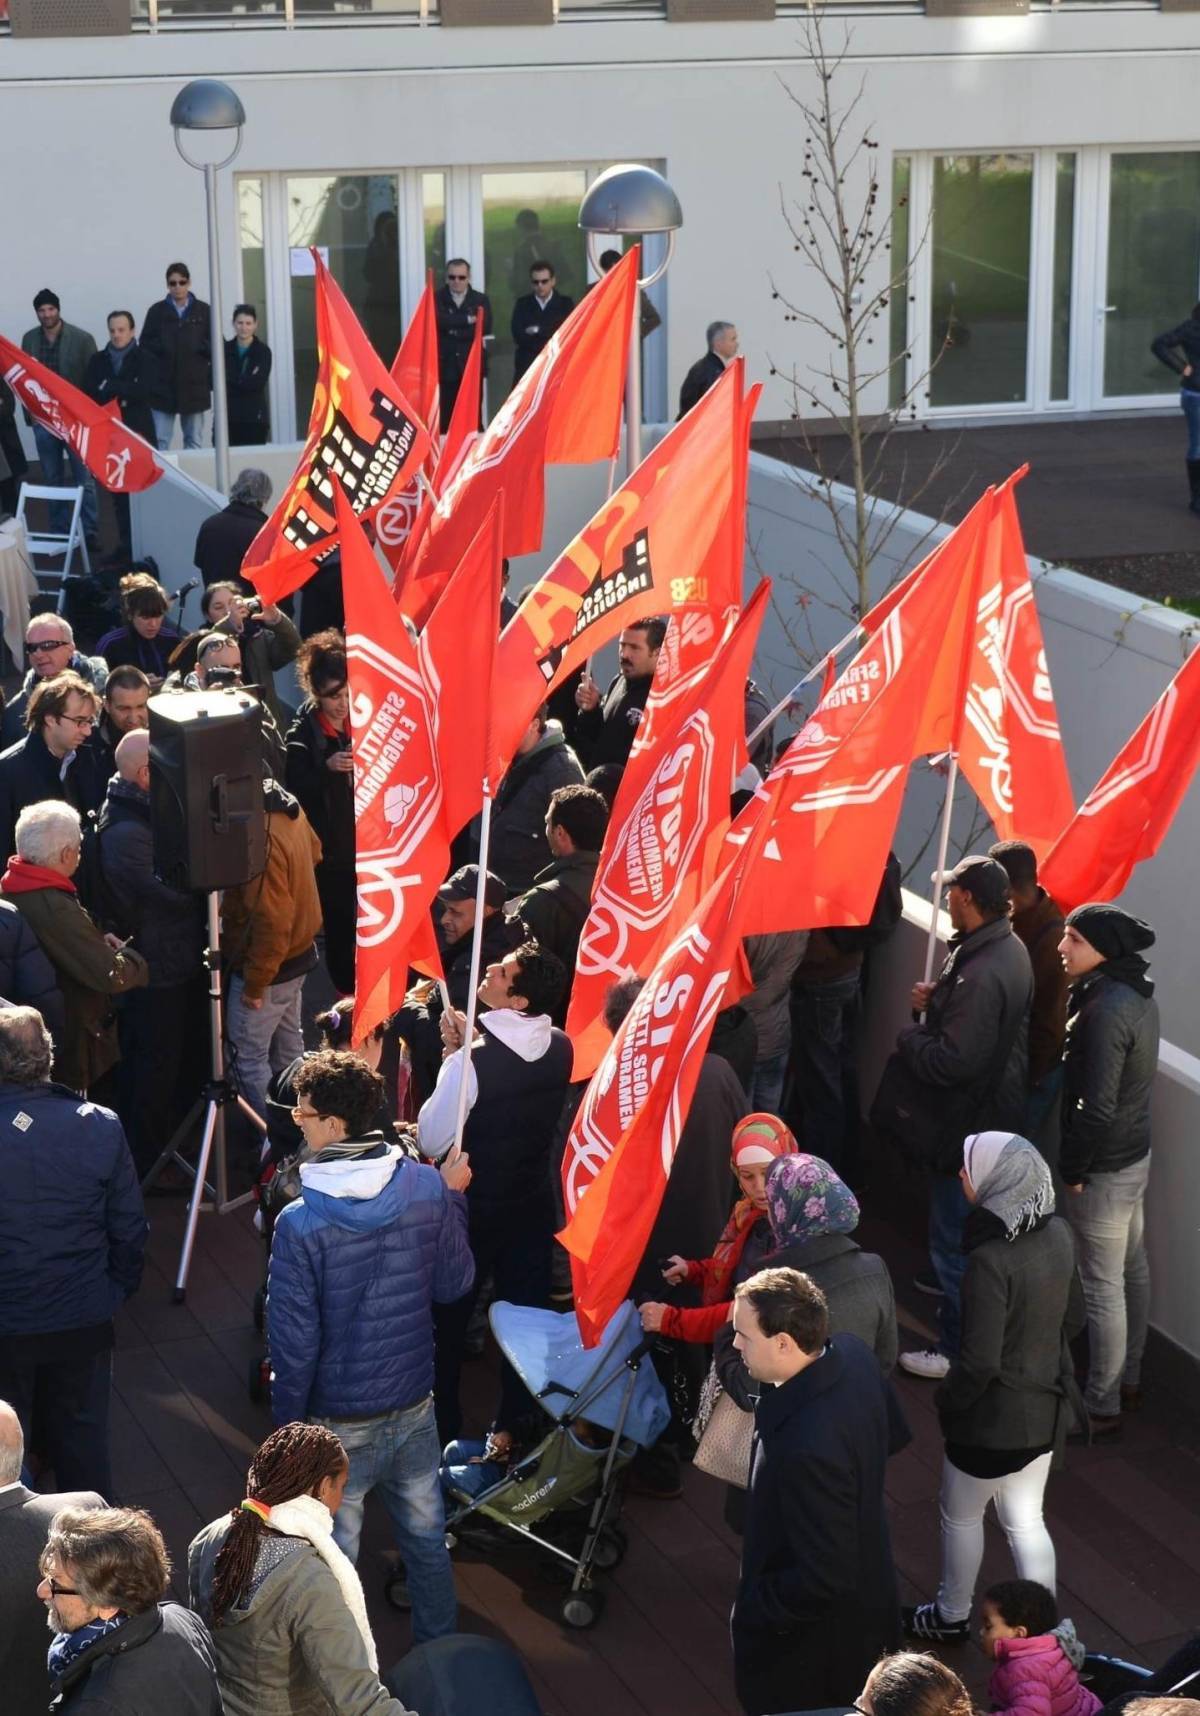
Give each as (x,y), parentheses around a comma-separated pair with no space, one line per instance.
(284,1605)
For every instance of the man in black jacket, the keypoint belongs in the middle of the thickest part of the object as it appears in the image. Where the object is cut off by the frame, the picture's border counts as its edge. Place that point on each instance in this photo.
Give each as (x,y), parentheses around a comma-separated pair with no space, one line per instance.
(458,306)
(118,1645)
(27,978)
(53,760)
(517,1069)
(25,1521)
(605,728)
(556,908)
(963,1068)
(176,331)
(543,762)
(816,1602)
(1109,1063)
(161,1025)
(722,341)
(536,317)
(123,370)
(222,540)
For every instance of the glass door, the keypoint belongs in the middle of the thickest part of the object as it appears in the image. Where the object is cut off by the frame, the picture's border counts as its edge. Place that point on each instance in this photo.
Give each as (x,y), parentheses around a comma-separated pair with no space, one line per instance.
(1150,247)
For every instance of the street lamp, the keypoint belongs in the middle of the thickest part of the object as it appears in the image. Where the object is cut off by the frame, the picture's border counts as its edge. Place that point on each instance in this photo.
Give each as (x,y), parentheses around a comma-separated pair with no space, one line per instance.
(631,199)
(206,105)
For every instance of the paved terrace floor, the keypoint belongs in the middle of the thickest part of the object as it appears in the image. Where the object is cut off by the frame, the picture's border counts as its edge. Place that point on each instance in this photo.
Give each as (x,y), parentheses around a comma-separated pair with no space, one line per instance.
(1125,1517)
(1106,496)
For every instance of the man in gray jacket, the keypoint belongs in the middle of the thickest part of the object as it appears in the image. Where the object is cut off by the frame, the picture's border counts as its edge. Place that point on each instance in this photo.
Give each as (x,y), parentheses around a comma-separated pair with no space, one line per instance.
(1109,1065)
(962,1068)
(66,351)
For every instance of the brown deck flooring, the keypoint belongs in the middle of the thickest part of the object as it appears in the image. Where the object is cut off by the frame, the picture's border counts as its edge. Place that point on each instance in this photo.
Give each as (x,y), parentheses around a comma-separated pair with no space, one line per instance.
(1125,1517)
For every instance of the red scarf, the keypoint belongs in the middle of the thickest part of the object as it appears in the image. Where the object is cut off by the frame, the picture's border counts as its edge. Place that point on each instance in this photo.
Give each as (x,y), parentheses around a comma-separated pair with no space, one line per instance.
(327,727)
(22,877)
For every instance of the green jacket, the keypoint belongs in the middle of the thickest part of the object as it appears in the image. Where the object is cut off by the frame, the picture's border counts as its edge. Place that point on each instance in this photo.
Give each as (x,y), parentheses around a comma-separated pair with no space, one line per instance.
(76,348)
(89,974)
(556,908)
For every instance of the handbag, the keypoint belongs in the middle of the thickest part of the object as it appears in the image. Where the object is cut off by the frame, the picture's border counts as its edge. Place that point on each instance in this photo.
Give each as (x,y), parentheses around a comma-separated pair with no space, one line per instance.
(725,1435)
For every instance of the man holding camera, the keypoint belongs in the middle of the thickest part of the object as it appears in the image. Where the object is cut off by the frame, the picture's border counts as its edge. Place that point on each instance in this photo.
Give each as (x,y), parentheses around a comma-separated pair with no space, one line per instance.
(218,665)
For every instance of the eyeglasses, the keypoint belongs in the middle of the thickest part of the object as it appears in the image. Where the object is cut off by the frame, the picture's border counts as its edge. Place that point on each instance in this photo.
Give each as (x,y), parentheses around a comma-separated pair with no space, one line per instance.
(458,277)
(42,646)
(57,1590)
(79,720)
(174,280)
(299,1113)
(542,279)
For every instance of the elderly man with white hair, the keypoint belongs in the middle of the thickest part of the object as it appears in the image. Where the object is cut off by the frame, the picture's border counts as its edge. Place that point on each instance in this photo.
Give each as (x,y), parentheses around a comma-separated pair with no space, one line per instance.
(91,967)
(25,1521)
(72,1243)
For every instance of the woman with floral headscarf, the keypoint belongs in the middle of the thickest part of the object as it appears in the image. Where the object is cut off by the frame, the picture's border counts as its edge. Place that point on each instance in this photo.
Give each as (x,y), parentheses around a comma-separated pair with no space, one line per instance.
(812,1214)
(1005,1405)
(758,1142)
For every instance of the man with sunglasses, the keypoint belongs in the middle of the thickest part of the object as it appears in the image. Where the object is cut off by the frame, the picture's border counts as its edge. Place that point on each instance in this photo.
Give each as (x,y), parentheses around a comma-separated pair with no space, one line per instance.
(54,759)
(176,332)
(537,316)
(458,307)
(49,651)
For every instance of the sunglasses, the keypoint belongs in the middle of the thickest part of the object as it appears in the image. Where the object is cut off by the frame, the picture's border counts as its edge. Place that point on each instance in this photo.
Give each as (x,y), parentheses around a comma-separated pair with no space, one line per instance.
(458,277)
(43,645)
(175,280)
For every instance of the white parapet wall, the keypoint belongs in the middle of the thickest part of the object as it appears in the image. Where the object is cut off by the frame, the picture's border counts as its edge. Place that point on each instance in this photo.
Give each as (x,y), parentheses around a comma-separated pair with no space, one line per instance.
(1173,1201)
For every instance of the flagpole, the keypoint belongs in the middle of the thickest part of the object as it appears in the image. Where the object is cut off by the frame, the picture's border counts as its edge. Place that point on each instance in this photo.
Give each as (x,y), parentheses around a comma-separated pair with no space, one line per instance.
(752,738)
(942,853)
(485,830)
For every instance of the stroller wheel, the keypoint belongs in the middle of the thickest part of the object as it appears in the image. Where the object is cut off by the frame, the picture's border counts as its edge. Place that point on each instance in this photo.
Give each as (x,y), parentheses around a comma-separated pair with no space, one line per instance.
(582,1609)
(396,1590)
(610,1548)
(260,1309)
(258,1380)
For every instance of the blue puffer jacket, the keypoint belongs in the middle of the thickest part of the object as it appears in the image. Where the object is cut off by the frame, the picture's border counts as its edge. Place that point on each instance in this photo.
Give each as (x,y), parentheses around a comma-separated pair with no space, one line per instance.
(26,976)
(356,1265)
(72,1225)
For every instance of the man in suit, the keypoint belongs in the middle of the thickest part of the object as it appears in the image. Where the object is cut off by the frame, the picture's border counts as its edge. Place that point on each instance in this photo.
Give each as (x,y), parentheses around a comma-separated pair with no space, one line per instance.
(458,306)
(722,339)
(24,1527)
(536,317)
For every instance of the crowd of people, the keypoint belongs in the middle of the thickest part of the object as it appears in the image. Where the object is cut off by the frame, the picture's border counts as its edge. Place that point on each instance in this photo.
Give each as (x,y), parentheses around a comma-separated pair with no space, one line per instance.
(396,1208)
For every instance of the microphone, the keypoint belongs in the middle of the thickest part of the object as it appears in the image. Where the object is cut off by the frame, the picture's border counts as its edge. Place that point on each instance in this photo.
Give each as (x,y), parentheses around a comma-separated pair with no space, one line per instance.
(186,590)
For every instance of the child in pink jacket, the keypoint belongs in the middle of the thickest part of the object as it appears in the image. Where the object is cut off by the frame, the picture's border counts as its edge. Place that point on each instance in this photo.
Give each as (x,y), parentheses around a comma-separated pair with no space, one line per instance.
(1037,1657)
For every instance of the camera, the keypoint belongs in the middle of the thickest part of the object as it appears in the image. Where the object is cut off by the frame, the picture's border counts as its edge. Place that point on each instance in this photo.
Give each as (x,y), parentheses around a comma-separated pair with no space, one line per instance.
(218,677)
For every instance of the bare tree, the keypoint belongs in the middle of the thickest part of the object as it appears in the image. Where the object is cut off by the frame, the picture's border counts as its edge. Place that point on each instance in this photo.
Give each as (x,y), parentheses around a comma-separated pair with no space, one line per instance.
(844,230)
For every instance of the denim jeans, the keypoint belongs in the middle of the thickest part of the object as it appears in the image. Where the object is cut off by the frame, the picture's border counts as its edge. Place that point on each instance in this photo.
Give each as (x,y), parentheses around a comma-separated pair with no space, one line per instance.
(263,1040)
(1108,1217)
(766,1085)
(1190,402)
(190,422)
(825,1050)
(1040,1107)
(398,1454)
(56,458)
(948,1211)
(1018,1498)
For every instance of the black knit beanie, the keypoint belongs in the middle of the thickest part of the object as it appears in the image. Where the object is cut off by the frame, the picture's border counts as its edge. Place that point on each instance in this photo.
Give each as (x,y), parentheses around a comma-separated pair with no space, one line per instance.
(1112,932)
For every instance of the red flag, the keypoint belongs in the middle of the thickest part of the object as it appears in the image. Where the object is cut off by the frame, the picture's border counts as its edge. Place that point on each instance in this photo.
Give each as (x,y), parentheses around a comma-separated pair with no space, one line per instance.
(625,1135)
(117,457)
(1127,813)
(415,366)
(663,847)
(565,410)
(405,518)
(649,550)
(364,441)
(901,697)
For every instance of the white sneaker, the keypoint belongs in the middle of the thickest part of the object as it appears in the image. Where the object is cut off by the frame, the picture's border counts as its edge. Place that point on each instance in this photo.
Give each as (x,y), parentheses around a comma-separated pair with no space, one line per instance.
(928,1364)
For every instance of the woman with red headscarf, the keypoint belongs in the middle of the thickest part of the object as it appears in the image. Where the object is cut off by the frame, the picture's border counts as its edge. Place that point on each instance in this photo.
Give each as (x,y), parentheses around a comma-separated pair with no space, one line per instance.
(758,1142)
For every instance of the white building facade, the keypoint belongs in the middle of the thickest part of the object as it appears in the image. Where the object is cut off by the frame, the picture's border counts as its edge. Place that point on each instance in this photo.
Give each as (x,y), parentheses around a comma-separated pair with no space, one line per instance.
(1049,160)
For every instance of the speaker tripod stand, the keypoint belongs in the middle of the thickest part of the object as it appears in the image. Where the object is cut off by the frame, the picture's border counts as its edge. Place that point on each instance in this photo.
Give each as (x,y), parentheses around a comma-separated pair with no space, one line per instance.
(209,1109)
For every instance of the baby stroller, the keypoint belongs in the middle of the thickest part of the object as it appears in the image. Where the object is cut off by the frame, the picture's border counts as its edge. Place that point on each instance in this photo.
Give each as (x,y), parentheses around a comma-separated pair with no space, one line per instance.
(612,1388)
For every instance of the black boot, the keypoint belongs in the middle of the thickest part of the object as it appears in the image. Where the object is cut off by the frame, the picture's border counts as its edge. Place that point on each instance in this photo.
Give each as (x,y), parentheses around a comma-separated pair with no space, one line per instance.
(1193,470)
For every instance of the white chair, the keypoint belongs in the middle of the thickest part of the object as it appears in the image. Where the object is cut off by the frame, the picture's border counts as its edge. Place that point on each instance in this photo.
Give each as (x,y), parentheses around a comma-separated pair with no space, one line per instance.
(52,544)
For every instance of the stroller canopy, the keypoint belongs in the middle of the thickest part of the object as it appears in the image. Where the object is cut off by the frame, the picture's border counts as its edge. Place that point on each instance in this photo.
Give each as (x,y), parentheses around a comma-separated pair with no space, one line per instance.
(546,1352)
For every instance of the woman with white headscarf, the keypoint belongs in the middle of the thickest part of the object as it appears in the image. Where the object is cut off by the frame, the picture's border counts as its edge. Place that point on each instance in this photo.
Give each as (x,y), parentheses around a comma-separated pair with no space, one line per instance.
(1007,1403)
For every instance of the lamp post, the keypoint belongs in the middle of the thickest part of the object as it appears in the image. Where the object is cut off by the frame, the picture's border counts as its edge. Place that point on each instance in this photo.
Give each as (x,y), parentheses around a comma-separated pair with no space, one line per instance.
(206,105)
(625,200)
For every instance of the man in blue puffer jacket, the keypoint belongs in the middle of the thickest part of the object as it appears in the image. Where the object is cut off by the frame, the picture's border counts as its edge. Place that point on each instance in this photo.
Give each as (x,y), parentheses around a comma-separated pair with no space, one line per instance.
(357,1263)
(72,1243)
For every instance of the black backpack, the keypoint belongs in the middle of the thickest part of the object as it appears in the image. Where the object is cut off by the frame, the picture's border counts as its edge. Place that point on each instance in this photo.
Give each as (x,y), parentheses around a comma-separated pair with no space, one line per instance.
(885,915)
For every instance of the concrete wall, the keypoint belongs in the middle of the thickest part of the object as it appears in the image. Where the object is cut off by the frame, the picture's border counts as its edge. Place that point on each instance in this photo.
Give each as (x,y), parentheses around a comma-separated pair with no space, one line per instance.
(1173,1201)
(90,119)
